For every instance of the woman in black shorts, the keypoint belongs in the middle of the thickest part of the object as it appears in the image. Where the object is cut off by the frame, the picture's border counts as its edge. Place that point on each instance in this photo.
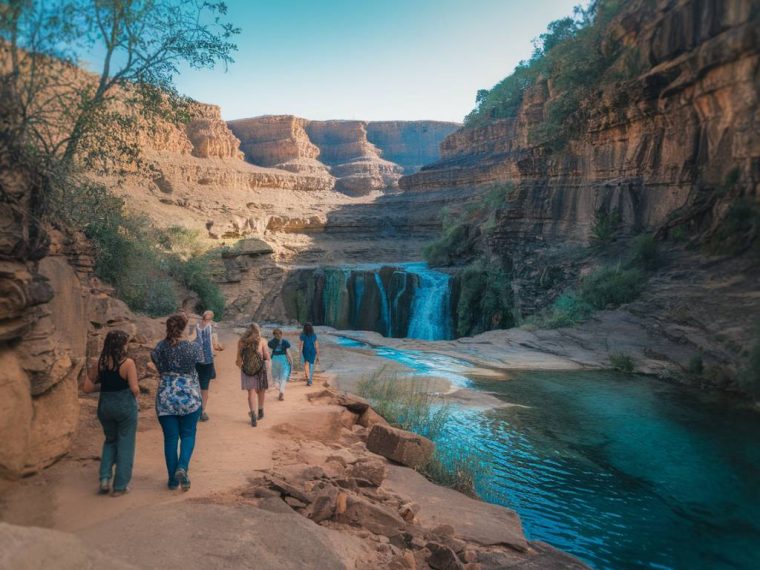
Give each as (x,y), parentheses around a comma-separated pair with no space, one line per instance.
(205,336)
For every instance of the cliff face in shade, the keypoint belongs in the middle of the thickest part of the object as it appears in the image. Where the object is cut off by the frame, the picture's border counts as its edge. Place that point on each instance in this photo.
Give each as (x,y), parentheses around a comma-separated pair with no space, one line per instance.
(360,156)
(649,144)
(675,146)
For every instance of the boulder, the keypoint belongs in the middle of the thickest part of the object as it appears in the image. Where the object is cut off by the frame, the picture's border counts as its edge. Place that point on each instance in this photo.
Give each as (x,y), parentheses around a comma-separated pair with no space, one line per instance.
(370,417)
(287,489)
(442,557)
(369,469)
(375,518)
(400,446)
(324,505)
(353,403)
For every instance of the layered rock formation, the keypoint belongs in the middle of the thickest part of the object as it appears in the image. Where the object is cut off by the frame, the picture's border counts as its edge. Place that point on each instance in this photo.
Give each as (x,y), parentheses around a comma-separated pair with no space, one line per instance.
(649,143)
(676,145)
(360,156)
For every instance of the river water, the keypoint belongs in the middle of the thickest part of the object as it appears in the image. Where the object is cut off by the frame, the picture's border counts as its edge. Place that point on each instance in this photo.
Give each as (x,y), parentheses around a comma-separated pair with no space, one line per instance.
(622,471)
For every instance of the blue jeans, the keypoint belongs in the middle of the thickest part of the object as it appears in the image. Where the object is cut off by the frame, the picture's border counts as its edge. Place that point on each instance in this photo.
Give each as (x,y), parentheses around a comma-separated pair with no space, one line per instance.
(178,429)
(117,412)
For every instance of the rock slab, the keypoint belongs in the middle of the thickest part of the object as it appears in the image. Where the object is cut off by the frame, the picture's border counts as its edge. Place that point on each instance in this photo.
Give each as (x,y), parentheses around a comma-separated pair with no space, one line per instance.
(400,446)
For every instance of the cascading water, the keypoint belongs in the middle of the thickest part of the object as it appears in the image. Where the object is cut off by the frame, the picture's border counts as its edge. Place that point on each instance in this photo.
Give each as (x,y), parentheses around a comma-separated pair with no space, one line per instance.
(430,318)
(385,313)
(396,300)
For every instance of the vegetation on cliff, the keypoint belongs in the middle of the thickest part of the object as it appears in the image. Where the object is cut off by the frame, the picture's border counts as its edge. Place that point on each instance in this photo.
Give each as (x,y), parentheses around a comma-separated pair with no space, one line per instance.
(577,55)
(66,123)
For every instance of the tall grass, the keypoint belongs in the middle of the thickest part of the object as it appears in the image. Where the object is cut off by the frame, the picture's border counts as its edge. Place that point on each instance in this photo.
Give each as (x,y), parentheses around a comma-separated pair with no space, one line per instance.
(405,402)
(408,403)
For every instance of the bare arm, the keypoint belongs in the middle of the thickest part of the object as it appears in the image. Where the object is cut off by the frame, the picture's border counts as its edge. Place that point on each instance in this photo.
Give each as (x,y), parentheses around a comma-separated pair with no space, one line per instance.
(267,358)
(239,359)
(91,380)
(130,369)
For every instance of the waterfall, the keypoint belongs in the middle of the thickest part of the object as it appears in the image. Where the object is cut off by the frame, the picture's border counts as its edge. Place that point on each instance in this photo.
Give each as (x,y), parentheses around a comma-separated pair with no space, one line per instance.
(385,313)
(430,318)
(335,294)
(358,296)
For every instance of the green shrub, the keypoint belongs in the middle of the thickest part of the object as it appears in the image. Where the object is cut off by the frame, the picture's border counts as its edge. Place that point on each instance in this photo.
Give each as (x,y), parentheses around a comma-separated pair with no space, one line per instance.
(738,230)
(405,402)
(567,310)
(454,467)
(455,241)
(605,228)
(485,299)
(137,258)
(610,287)
(645,252)
(621,362)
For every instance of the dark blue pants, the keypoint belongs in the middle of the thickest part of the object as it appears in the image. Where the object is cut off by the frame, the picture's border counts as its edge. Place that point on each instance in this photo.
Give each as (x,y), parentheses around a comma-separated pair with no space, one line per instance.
(178,429)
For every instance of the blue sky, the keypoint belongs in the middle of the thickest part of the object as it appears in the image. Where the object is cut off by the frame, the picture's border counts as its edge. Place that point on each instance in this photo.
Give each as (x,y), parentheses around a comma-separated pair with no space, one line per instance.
(354,59)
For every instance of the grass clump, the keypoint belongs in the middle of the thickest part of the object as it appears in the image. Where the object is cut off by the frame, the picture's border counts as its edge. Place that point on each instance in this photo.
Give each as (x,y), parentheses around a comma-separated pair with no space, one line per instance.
(605,228)
(621,362)
(645,252)
(738,231)
(484,301)
(566,311)
(610,287)
(749,378)
(455,241)
(406,403)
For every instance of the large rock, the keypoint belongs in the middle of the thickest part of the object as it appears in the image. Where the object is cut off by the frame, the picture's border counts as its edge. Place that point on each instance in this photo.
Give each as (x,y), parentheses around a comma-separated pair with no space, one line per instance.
(373,517)
(31,548)
(16,415)
(400,446)
(471,520)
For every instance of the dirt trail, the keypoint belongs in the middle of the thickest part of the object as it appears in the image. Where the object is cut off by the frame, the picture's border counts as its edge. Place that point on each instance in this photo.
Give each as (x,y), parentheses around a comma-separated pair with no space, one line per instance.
(227,450)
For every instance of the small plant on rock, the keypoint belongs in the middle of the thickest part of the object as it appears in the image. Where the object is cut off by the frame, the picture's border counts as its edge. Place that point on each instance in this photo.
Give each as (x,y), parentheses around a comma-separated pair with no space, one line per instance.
(621,362)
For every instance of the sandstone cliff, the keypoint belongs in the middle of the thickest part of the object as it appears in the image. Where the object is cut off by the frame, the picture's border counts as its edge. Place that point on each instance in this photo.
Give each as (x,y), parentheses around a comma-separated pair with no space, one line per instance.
(360,157)
(672,149)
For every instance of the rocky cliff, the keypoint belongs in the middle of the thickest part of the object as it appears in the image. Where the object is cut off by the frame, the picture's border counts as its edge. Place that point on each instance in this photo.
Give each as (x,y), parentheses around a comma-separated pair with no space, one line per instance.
(673,149)
(360,156)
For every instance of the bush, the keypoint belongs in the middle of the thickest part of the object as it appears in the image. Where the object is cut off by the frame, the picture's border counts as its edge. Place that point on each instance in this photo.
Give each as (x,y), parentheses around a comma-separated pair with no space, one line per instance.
(485,299)
(454,467)
(610,287)
(406,403)
(696,366)
(621,362)
(454,242)
(567,310)
(605,228)
(645,252)
(135,257)
(738,230)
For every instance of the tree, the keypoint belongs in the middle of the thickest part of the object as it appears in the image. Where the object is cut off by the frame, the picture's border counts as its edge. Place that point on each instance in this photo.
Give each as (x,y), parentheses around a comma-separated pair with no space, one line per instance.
(138,45)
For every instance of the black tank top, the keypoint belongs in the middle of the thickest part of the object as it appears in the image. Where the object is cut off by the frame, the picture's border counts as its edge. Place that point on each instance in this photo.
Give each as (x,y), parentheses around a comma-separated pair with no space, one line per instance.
(111,380)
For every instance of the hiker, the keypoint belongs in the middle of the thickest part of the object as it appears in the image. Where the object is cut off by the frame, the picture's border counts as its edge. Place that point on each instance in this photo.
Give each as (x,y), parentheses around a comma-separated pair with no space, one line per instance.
(309,349)
(282,362)
(205,336)
(178,399)
(255,368)
(115,377)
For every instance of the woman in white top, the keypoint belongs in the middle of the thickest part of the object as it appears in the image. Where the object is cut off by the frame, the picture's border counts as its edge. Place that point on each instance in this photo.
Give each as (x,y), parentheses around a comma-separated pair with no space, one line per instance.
(205,336)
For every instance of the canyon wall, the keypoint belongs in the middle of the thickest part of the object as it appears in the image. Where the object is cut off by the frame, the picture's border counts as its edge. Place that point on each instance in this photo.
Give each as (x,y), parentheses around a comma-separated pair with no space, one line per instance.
(649,143)
(674,149)
(361,156)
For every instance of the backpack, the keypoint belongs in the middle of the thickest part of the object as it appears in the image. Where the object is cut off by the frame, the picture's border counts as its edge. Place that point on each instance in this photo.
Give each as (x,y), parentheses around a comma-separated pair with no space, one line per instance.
(252,360)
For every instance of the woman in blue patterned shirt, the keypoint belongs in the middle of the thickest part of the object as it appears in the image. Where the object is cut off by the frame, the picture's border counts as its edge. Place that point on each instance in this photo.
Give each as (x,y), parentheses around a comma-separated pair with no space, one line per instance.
(178,400)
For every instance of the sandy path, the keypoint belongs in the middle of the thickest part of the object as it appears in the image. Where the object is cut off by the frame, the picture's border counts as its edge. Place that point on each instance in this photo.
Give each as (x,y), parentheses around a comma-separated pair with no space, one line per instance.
(227,450)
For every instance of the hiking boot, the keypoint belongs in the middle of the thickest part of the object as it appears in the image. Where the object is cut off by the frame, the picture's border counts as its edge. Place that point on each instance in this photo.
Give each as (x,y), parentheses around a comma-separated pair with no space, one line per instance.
(261,413)
(281,397)
(204,417)
(105,487)
(253,419)
(181,476)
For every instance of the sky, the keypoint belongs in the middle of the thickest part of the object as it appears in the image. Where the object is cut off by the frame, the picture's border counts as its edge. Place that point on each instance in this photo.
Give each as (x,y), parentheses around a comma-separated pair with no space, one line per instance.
(369,59)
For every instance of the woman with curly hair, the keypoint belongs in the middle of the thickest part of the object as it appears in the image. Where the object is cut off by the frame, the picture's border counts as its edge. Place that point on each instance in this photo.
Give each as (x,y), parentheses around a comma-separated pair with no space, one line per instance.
(115,377)
(255,369)
(178,399)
